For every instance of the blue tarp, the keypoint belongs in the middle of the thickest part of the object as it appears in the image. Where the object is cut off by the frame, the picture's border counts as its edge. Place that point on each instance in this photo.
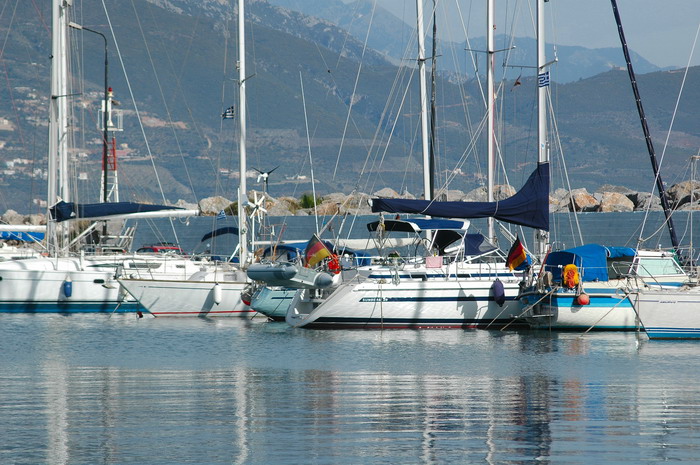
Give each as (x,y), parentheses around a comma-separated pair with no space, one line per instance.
(528,207)
(591,260)
(63,211)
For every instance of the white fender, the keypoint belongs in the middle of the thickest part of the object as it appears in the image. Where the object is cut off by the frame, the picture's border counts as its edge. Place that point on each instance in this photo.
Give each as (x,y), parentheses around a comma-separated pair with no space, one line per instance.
(218,293)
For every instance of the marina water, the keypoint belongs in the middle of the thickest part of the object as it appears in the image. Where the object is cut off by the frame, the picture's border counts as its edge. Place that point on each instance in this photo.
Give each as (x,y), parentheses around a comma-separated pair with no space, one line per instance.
(115,389)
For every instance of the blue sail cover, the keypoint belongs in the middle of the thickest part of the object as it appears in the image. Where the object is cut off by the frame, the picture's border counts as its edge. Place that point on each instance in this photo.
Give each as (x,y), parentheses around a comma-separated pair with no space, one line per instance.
(219,232)
(63,211)
(528,207)
(418,225)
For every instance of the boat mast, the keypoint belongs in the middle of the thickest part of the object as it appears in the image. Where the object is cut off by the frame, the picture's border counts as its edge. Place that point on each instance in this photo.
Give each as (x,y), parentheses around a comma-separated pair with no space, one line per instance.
(57,237)
(645,128)
(542,236)
(242,192)
(433,97)
(490,105)
(423,102)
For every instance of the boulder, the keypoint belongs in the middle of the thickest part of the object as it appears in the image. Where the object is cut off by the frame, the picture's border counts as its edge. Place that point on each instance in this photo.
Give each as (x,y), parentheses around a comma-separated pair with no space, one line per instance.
(387,193)
(12,217)
(475,195)
(641,201)
(582,201)
(503,191)
(681,193)
(213,205)
(615,202)
(36,219)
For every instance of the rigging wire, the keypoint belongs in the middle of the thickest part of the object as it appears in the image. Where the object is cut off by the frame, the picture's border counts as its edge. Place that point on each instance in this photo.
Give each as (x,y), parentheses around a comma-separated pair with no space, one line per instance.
(354,90)
(668,135)
(136,110)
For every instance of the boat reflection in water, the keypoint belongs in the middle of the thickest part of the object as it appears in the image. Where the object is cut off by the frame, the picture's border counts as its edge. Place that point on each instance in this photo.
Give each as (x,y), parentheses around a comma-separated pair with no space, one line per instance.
(336,396)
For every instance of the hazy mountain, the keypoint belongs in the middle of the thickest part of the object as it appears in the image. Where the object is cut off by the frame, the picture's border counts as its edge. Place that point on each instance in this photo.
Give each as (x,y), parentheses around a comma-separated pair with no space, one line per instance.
(180,59)
(390,35)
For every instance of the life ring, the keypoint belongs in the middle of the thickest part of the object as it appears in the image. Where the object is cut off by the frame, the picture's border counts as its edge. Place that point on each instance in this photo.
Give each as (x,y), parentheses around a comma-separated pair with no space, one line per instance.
(570,276)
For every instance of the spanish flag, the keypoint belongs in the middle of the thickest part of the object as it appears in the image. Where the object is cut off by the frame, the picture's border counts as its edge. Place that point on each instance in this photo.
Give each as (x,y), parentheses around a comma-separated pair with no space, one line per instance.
(315,252)
(516,255)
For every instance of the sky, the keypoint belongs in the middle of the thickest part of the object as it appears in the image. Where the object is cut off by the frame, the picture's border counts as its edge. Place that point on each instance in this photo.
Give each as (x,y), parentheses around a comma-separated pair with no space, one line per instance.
(662,31)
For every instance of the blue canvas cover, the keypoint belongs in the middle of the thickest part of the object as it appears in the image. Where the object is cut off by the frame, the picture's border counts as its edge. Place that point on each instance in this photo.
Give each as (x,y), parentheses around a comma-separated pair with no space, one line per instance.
(528,207)
(591,260)
(63,211)
(219,232)
(476,244)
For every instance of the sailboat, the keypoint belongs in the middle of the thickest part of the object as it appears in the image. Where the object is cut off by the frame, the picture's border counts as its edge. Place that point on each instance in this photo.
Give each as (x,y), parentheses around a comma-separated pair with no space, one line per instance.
(455,290)
(673,313)
(65,283)
(211,292)
(590,287)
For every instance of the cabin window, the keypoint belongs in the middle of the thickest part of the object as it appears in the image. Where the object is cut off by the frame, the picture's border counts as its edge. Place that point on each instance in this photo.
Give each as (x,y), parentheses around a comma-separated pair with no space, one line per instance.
(619,267)
(663,266)
(99,281)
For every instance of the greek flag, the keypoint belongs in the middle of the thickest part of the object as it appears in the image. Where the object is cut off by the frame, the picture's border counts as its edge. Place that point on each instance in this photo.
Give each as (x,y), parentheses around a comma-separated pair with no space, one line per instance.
(229,113)
(221,215)
(543,79)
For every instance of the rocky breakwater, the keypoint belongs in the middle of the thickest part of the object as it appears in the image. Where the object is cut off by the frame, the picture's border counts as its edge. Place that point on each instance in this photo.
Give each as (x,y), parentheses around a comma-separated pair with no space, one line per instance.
(681,196)
(609,198)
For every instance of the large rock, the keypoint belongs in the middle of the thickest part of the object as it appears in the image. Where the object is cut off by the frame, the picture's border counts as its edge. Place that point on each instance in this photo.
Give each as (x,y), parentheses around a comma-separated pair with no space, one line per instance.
(36,219)
(642,200)
(615,202)
(387,193)
(12,217)
(502,192)
(475,195)
(213,205)
(681,193)
(582,201)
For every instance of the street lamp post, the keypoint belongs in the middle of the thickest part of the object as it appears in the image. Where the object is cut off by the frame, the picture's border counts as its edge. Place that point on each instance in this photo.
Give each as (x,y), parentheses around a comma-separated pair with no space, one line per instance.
(105,112)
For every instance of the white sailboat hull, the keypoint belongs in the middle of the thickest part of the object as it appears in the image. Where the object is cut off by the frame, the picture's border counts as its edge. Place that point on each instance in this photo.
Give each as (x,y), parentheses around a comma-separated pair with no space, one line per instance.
(80,285)
(435,303)
(202,296)
(670,314)
(609,309)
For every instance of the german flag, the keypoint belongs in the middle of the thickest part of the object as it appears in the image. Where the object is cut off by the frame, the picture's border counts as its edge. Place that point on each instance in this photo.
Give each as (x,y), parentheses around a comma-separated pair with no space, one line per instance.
(315,252)
(516,255)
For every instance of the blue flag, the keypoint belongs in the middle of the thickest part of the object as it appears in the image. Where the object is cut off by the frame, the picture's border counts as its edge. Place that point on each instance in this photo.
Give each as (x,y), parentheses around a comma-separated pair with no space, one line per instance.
(543,79)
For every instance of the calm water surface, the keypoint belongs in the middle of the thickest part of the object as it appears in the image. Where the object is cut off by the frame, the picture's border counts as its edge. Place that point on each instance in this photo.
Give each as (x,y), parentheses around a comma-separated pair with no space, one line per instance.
(94,389)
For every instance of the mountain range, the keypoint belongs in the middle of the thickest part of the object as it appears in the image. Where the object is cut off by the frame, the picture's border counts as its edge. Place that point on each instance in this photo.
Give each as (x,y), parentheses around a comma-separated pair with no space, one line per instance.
(319,103)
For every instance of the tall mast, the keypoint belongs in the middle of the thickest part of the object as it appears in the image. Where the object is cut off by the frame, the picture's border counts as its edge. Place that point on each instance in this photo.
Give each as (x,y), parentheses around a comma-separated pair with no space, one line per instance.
(645,128)
(490,97)
(242,192)
(433,98)
(58,124)
(423,102)
(542,237)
